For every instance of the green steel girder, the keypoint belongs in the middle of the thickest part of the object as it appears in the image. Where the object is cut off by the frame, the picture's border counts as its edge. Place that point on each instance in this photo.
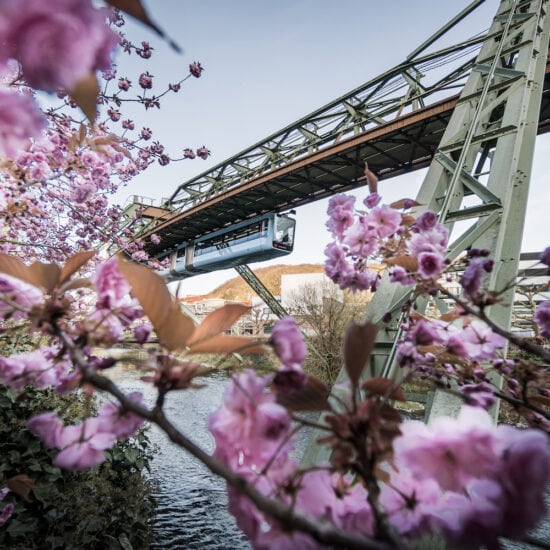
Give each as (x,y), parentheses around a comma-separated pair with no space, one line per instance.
(389,95)
(261,290)
(486,153)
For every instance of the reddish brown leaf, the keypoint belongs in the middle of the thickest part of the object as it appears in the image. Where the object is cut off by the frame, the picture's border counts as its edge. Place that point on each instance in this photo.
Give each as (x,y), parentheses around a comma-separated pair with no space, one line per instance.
(312,397)
(410,263)
(173,328)
(431,349)
(228,344)
(84,94)
(81,282)
(402,203)
(46,275)
(358,345)
(21,485)
(117,147)
(177,330)
(218,321)
(450,316)
(135,9)
(74,263)
(384,387)
(10,265)
(417,316)
(407,220)
(372,179)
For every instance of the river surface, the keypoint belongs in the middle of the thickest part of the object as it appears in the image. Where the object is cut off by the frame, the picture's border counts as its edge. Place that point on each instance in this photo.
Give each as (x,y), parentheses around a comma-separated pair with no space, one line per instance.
(192,502)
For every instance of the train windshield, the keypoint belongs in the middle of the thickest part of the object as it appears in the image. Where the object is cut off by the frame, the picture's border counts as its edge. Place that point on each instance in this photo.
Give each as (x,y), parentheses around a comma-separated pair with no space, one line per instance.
(284,231)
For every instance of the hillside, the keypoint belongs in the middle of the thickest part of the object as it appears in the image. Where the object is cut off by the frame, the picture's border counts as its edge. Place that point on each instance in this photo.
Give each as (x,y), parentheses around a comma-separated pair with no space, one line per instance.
(238,289)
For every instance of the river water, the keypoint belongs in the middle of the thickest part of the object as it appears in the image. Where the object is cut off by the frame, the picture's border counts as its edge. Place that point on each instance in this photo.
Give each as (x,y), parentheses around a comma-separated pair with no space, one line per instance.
(192,502)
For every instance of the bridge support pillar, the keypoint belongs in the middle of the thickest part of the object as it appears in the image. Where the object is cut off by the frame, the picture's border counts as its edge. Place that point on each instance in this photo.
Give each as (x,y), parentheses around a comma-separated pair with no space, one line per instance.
(478,180)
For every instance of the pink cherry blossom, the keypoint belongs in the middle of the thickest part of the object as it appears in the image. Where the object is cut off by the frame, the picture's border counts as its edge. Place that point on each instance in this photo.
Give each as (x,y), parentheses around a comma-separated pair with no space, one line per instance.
(472,277)
(288,342)
(542,318)
(112,288)
(58,42)
(336,265)
(196,69)
(361,239)
(37,368)
(6,513)
(451,451)
(203,152)
(470,519)
(48,427)
(524,474)
(8,508)
(20,120)
(433,240)
(17,298)
(426,221)
(83,445)
(478,395)
(481,342)
(384,220)
(340,212)
(400,275)
(249,427)
(430,265)
(372,200)
(408,501)
(114,419)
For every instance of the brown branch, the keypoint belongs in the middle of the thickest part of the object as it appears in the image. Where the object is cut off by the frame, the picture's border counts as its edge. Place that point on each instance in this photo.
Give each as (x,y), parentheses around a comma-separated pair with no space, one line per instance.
(321,531)
(480,314)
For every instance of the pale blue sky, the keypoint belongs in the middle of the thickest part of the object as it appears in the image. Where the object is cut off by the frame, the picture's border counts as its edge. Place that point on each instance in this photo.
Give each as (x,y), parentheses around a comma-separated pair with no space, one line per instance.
(268,63)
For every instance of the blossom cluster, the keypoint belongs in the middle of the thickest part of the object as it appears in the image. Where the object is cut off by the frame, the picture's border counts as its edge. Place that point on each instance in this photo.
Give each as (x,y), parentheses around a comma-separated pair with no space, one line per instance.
(378,233)
(56,45)
(64,175)
(439,350)
(83,445)
(462,478)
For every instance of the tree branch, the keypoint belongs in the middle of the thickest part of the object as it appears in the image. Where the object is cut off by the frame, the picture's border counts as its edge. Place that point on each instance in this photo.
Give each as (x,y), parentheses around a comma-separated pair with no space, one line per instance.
(322,532)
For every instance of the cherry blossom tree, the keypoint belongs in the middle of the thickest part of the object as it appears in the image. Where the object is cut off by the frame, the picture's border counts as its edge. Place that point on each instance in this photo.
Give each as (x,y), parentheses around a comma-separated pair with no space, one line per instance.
(386,481)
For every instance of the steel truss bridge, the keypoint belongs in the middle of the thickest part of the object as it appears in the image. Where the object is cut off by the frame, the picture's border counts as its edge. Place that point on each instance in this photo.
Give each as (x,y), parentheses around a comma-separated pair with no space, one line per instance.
(394,122)
(470,112)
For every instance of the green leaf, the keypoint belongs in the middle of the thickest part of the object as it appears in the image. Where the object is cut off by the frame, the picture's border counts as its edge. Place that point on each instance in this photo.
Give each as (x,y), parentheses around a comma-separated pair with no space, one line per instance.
(124,542)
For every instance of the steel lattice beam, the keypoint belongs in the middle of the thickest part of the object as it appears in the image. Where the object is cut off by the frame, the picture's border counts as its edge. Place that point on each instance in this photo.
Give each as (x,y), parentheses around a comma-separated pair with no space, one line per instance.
(492,131)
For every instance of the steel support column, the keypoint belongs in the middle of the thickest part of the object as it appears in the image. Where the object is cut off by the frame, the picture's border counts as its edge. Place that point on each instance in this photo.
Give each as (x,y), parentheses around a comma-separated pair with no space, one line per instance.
(261,290)
(492,132)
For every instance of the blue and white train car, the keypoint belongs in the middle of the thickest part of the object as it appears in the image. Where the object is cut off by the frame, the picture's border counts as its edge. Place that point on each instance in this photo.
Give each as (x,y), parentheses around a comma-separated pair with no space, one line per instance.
(255,240)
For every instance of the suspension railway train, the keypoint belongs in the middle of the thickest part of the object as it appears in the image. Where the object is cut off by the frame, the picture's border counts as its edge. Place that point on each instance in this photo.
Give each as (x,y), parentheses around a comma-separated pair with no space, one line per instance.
(255,240)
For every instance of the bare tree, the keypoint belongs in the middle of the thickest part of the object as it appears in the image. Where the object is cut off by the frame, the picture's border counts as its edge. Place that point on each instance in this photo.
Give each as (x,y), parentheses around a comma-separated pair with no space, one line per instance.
(322,310)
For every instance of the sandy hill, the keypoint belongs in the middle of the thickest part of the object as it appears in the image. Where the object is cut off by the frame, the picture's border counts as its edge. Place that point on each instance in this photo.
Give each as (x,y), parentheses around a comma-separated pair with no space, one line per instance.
(238,289)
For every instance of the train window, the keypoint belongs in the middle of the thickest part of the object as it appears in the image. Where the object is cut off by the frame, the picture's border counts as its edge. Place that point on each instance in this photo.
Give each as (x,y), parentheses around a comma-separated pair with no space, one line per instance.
(284,230)
(232,237)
